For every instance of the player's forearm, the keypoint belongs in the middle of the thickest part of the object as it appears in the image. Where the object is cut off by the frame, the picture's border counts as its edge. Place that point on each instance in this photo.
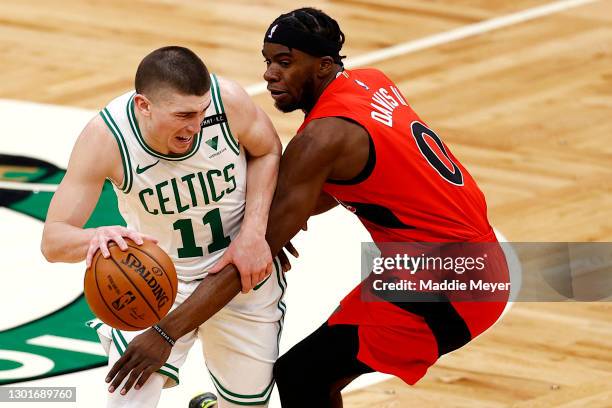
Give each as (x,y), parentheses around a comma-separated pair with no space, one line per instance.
(211,295)
(289,212)
(262,174)
(62,242)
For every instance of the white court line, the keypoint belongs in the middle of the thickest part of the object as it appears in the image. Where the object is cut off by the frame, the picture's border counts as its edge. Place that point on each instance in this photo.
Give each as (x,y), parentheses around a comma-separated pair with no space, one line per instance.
(15,185)
(450,36)
(65,343)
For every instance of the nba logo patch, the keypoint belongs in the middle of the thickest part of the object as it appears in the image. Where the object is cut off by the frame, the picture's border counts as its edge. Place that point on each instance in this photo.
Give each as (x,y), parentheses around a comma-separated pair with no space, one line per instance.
(361,84)
(125,299)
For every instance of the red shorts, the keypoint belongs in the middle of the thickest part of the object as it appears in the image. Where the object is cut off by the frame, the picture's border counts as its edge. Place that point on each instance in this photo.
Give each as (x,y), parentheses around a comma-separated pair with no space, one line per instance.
(405,339)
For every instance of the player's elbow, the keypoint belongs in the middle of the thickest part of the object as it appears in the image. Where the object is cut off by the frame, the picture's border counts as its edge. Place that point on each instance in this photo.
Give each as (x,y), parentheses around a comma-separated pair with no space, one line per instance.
(46,251)
(49,252)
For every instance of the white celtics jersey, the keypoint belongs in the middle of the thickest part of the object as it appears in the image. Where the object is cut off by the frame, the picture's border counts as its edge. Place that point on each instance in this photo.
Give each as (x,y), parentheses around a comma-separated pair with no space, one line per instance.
(194,203)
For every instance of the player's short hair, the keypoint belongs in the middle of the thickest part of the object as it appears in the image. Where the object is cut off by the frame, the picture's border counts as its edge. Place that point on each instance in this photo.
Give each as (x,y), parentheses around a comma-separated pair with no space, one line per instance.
(176,67)
(314,21)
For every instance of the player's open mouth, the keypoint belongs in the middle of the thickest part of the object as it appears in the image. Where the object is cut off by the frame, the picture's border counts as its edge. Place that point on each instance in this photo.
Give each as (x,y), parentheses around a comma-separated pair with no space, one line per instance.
(184,139)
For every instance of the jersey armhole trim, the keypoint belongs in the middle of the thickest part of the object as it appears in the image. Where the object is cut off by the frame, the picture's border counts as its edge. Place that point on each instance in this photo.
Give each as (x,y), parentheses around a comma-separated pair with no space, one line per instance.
(218,102)
(126,186)
(367,169)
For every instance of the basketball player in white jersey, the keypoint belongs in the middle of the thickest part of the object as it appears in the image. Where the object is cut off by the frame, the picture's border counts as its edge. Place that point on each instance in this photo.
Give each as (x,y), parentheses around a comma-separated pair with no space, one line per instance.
(177,151)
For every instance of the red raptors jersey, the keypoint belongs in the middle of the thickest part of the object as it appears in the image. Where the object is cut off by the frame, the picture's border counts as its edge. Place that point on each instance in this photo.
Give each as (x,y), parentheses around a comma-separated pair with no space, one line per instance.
(413,189)
(416,190)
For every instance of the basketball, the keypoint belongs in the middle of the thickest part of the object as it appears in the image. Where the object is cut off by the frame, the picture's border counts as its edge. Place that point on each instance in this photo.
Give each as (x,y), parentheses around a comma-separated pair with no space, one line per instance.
(132,289)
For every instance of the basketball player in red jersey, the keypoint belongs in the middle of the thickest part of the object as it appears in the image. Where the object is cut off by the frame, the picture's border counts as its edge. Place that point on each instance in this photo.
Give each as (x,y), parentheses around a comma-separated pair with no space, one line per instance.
(360,145)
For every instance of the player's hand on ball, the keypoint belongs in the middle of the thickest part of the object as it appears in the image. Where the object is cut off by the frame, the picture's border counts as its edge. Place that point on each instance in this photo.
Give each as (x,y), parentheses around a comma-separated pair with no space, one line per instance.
(144,356)
(250,253)
(116,233)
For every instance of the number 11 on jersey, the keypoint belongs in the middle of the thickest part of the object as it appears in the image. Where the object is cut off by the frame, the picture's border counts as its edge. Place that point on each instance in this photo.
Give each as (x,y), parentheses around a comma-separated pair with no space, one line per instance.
(190,249)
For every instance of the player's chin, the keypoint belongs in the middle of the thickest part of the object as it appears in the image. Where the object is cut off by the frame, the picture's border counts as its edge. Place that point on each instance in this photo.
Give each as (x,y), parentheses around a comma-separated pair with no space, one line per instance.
(285,106)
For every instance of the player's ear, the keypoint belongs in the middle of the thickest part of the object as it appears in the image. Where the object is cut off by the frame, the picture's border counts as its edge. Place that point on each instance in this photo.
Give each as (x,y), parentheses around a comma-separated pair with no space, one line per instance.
(143,104)
(326,65)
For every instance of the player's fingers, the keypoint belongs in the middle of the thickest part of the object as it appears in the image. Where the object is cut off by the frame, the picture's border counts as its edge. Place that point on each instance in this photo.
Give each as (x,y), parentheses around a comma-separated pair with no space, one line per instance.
(116,367)
(263,268)
(120,242)
(132,378)
(270,268)
(221,263)
(246,281)
(104,247)
(289,247)
(123,372)
(90,253)
(282,258)
(144,377)
(134,236)
(284,261)
(263,272)
(260,278)
(150,238)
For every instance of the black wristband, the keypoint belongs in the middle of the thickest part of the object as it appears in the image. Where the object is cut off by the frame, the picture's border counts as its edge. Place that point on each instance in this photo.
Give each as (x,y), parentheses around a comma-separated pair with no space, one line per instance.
(164,335)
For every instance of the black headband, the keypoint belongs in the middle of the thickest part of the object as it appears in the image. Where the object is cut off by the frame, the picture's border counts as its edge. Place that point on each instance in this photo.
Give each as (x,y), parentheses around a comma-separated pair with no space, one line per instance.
(312,44)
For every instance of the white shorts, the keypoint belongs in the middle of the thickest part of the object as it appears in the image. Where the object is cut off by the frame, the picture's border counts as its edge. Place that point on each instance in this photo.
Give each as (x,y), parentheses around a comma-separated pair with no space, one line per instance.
(240,342)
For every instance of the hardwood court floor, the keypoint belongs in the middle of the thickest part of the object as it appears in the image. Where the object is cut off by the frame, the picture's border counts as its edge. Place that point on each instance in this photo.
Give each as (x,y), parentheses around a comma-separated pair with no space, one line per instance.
(525,108)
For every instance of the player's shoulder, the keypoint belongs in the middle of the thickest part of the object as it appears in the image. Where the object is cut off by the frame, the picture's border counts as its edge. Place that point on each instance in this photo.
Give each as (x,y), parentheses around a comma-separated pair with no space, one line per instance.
(231,91)
(328,137)
(96,141)
(330,131)
(96,132)
(240,109)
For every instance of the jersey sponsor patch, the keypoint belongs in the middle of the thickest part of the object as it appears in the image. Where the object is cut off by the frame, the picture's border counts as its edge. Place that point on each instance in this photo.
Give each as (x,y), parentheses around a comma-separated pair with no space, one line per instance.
(213,120)
(213,142)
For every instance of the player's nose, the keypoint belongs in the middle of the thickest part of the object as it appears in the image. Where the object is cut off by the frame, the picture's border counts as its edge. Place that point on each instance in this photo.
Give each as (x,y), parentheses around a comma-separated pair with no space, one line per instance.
(271,75)
(194,125)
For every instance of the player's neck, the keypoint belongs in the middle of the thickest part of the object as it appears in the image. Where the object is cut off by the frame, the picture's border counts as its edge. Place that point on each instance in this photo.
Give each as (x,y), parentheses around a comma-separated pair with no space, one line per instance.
(318,91)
